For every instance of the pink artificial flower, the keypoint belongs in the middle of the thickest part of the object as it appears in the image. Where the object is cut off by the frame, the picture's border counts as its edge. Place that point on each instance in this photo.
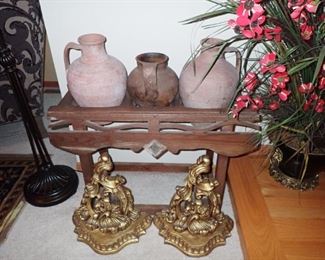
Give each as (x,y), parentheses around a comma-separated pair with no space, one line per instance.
(280,79)
(254,29)
(302,19)
(307,104)
(273,33)
(241,103)
(277,68)
(320,106)
(283,94)
(296,11)
(250,81)
(321,84)
(232,24)
(312,5)
(314,96)
(274,105)
(306,31)
(246,10)
(268,64)
(309,101)
(321,78)
(257,104)
(322,17)
(306,88)
(249,19)
(299,5)
(267,61)
(293,3)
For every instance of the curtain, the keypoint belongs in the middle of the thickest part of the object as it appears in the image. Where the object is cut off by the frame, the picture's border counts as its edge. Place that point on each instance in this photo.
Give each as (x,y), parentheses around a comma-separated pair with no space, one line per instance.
(23,28)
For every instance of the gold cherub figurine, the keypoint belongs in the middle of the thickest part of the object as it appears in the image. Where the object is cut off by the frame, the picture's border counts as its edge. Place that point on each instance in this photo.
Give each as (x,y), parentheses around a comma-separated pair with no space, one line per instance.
(194,222)
(106,219)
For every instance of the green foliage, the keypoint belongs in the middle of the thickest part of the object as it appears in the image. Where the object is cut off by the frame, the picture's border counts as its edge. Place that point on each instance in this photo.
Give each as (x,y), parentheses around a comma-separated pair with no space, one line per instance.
(299,47)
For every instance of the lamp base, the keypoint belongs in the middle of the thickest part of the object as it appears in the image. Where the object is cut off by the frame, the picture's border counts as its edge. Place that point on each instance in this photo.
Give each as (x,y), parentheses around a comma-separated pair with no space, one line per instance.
(51,185)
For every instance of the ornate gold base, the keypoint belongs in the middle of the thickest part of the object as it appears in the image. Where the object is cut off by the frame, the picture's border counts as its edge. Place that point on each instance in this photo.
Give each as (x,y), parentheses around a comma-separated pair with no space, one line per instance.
(194,245)
(104,243)
(287,181)
(106,219)
(194,223)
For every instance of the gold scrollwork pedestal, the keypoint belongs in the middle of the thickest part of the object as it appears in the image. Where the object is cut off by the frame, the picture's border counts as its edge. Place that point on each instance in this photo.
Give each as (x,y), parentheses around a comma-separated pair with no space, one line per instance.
(106,219)
(194,223)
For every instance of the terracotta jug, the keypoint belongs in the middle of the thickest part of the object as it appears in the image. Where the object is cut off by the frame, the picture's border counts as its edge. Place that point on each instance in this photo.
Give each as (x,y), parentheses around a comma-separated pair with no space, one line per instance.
(218,87)
(152,82)
(95,79)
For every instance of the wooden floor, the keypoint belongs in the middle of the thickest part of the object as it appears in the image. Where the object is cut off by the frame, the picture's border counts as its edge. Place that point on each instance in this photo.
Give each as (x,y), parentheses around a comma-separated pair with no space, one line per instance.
(275,222)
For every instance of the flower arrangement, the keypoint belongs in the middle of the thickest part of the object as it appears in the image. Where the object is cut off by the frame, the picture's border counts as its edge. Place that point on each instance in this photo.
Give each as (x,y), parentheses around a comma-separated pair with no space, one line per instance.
(283,70)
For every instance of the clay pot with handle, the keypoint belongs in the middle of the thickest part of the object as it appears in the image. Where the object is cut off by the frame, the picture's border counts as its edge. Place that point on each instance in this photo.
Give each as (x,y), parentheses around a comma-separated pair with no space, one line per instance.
(209,83)
(95,79)
(152,82)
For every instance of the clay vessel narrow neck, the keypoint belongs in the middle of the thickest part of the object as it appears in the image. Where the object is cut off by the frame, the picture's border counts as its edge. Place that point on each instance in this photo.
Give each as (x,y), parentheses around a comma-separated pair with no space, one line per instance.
(92,48)
(211,45)
(152,59)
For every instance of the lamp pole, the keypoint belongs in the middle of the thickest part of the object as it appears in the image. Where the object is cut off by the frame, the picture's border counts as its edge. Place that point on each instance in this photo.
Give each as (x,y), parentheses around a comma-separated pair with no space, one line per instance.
(51,184)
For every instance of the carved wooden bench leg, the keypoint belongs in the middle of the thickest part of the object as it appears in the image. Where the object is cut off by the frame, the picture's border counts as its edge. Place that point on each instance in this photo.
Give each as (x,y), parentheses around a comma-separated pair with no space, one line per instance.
(221,174)
(222,167)
(87,166)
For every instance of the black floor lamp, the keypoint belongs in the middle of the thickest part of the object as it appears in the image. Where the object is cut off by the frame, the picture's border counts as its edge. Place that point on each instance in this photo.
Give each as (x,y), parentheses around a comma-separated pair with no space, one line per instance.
(51,184)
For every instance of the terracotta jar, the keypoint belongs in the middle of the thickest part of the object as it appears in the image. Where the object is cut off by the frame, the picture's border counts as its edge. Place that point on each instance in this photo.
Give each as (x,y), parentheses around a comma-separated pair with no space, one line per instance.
(95,79)
(152,82)
(201,88)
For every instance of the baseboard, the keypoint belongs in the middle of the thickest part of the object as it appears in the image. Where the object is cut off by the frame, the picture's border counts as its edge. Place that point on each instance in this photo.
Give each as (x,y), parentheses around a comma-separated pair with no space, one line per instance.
(51,87)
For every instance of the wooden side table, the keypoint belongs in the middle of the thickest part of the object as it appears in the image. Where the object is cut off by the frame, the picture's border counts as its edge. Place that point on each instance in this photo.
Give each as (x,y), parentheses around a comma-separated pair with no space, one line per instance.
(157,130)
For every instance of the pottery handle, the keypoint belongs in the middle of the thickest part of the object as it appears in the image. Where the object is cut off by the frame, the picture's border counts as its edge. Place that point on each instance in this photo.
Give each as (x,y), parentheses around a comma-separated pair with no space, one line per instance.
(149,75)
(238,57)
(68,47)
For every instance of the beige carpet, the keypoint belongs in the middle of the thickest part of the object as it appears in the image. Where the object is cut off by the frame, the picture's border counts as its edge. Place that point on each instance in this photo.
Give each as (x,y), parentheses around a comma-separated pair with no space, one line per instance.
(47,233)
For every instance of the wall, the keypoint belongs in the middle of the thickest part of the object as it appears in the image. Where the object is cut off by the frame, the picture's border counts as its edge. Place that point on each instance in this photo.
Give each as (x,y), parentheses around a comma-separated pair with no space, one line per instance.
(49,70)
(131,27)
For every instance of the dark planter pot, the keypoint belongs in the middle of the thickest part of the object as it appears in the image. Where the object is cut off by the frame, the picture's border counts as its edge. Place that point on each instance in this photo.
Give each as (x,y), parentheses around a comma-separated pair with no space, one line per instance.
(287,167)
